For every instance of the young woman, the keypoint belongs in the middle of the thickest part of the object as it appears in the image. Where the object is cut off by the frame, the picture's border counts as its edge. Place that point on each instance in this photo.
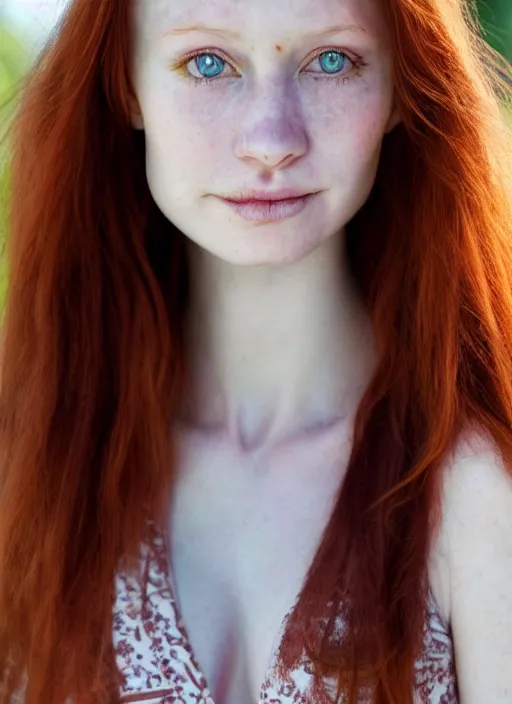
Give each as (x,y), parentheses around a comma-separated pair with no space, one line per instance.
(256,400)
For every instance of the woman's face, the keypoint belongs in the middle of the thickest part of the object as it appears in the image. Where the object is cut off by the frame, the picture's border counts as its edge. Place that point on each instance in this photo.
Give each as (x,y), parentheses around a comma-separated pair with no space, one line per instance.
(291,103)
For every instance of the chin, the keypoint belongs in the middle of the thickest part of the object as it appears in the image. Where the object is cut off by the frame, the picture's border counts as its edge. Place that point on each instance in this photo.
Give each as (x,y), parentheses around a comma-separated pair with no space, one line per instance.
(258,252)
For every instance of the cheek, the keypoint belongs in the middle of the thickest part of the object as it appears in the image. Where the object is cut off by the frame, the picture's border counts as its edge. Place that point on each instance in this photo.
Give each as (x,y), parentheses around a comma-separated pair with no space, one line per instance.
(194,128)
(349,130)
(185,129)
(347,138)
(353,116)
(178,149)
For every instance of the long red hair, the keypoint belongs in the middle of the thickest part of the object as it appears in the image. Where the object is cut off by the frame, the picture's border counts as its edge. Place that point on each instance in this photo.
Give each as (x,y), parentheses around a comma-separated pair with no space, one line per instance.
(92,361)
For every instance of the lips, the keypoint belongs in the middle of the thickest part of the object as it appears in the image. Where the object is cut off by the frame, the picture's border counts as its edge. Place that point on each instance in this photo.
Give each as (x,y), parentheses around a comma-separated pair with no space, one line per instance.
(261,196)
(266,200)
(270,210)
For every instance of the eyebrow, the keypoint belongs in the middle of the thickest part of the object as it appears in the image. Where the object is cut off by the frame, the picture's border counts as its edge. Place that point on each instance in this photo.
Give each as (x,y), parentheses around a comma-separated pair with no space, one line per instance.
(221,32)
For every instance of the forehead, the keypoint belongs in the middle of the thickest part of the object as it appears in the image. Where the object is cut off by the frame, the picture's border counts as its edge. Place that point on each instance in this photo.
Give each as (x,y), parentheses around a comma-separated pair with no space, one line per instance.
(280,21)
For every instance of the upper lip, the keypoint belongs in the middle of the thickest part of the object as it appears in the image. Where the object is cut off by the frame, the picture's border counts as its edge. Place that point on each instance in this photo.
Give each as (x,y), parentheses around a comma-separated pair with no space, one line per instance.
(257,194)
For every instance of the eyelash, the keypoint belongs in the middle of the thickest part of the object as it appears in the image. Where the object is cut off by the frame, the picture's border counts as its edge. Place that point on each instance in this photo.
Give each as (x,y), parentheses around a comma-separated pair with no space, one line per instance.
(357,62)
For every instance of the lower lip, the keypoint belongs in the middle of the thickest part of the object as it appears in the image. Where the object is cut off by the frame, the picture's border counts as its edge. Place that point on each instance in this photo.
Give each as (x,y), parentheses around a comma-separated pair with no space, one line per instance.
(269,210)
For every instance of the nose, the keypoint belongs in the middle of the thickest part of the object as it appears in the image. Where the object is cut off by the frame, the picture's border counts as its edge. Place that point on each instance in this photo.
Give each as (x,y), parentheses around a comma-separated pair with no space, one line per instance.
(274,136)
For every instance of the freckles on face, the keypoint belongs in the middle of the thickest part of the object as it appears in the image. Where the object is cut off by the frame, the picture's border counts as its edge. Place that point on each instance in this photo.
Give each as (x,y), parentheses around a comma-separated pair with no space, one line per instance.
(320,106)
(259,24)
(197,131)
(186,130)
(354,124)
(197,134)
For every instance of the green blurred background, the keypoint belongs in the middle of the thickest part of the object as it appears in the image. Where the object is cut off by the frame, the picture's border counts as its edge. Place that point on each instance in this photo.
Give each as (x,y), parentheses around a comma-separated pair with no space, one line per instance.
(17,50)
(496,17)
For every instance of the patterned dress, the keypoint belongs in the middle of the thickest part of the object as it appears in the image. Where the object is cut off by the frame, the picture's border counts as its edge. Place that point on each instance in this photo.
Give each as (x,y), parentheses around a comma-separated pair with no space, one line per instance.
(159,666)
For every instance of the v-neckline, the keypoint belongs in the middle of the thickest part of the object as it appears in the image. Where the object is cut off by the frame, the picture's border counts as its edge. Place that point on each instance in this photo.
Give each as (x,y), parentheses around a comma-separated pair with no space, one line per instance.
(168,577)
(270,675)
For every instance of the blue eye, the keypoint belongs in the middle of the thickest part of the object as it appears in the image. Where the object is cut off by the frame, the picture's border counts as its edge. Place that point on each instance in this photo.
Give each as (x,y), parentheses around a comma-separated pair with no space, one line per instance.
(332,62)
(333,65)
(206,62)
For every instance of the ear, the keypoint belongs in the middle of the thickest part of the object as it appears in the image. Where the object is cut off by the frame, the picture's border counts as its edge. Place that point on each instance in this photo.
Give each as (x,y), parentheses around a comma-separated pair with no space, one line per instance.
(394,119)
(137,122)
(136,114)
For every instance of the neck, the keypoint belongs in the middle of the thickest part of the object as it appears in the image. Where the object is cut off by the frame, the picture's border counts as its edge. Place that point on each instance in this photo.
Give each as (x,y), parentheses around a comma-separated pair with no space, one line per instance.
(274,352)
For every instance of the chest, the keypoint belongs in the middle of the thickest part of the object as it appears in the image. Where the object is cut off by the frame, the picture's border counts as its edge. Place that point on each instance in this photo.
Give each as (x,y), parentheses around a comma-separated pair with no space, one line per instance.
(243,532)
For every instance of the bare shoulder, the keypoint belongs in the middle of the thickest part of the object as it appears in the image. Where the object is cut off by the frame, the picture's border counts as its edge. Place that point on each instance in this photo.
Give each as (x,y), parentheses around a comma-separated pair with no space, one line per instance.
(476,548)
(477,498)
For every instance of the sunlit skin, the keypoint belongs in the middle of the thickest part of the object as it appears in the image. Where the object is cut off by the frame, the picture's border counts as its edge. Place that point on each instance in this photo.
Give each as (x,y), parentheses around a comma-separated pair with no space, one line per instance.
(312,436)
(279,341)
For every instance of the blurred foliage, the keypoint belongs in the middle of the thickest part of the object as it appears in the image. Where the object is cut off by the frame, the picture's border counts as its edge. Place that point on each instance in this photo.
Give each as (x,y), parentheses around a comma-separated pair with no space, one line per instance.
(496,18)
(495,15)
(14,61)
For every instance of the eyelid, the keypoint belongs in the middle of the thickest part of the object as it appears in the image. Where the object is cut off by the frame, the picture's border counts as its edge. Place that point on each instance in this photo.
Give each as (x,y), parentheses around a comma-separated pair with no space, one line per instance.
(184,60)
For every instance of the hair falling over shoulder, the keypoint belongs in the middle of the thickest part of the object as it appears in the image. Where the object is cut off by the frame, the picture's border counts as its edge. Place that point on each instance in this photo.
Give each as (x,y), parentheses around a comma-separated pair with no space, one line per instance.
(92,358)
